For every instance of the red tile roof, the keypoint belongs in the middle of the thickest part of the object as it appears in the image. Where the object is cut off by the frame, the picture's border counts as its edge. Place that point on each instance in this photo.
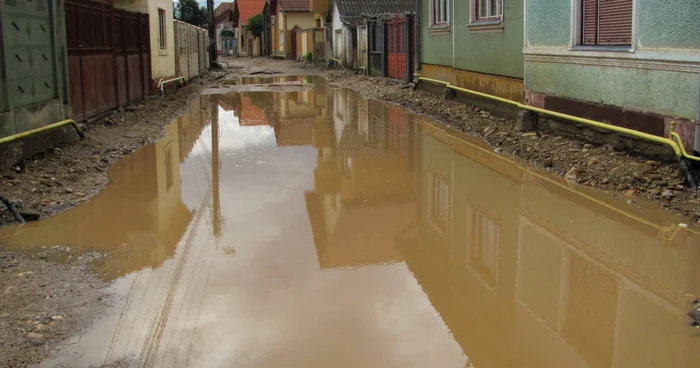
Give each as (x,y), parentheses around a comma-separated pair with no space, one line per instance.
(247,9)
(221,13)
(295,5)
(251,114)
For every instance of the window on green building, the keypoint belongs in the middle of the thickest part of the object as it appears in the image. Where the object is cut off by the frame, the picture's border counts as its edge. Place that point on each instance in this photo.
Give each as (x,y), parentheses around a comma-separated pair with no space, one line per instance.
(606,23)
(488,10)
(439,13)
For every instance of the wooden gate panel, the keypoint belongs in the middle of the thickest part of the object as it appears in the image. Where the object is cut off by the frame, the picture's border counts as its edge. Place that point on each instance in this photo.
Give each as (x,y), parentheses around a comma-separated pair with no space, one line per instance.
(105,53)
(396,49)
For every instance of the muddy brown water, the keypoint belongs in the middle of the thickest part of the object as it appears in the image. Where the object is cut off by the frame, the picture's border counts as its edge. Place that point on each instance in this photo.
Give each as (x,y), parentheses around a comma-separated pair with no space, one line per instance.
(322,229)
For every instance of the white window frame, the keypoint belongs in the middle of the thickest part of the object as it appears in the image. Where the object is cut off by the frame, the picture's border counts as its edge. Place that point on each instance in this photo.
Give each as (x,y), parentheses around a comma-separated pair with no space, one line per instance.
(491,18)
(444,204)
(442,7)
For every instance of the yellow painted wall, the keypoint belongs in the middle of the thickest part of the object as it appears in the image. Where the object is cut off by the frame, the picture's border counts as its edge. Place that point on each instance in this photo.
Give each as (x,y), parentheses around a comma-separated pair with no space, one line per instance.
(509,88)
(303,20)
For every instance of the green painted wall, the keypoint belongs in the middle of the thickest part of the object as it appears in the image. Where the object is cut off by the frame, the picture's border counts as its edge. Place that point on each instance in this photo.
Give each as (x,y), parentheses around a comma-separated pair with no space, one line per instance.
(498,53)
(435,48)
(548,22)
(664,26)
(662,92)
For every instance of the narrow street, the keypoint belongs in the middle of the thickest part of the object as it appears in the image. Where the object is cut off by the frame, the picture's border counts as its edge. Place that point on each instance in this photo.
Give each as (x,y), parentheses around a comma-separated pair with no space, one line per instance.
(285,221)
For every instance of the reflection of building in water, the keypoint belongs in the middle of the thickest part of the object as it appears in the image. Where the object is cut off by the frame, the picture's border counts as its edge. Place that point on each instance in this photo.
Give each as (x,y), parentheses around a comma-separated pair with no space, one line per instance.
(527,272)
(294,115)
(140,216)
(359,181)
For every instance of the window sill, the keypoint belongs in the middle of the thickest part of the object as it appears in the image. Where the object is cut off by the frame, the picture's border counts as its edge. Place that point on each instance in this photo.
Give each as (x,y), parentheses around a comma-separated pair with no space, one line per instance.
(437,30)
(487,26)
(625,49)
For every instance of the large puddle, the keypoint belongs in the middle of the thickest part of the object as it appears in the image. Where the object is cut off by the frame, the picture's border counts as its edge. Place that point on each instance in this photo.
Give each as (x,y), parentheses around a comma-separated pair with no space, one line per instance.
(322,229)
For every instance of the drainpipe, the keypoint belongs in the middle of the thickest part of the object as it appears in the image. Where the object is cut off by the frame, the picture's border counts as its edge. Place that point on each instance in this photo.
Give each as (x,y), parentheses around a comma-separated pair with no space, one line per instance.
(417,34)
(212,33)
(697,122)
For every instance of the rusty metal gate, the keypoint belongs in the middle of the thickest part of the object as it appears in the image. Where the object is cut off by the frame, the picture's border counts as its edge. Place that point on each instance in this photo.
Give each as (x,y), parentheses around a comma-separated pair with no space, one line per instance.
(108,56)
(396,48)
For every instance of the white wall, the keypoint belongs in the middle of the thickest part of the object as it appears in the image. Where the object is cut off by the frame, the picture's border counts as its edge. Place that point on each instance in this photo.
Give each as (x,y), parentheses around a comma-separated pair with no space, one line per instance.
(338,28)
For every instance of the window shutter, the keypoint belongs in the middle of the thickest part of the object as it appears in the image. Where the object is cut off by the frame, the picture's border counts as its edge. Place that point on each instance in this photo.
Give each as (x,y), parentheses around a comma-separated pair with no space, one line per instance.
(590,22)
(615,28)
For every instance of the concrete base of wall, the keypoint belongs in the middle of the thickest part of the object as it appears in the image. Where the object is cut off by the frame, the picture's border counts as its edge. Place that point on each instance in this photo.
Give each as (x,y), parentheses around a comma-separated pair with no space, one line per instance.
(22,149)
(618,116)
(557,126)
(600,136)
(24,119)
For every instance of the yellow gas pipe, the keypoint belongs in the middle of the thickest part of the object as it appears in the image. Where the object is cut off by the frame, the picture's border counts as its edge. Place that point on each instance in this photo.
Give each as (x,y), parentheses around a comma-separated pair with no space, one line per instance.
(43,129)
(678,147)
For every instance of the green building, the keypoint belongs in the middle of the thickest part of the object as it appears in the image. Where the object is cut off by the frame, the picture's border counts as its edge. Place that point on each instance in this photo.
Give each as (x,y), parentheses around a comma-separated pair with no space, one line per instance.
(474,44)
(632,63)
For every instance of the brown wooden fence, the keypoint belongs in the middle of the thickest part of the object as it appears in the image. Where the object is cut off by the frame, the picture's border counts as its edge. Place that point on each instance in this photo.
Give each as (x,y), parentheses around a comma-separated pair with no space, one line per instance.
(108,57)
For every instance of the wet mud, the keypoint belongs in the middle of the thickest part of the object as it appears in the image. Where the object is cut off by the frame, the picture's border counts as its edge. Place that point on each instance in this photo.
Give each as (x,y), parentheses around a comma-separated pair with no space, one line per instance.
(319,228)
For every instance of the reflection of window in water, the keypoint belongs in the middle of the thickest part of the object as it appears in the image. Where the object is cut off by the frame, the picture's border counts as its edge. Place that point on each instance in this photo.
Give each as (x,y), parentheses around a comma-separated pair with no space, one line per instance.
(482,245)
(397,141)
(168,168)
(438,201)
(339,105)
(347,167)
(590,310)
(334,199)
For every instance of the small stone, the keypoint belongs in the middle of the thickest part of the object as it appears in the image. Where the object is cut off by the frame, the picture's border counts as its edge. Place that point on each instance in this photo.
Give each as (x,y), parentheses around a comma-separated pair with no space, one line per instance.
(34,335)
(667,194)
(530,134)
(132,108)
(572,174)
(588,146)
(68,190)
(592,161)
(630,193)
(585,150)
(651,163)
(680,187)
(605,181)
(56,317)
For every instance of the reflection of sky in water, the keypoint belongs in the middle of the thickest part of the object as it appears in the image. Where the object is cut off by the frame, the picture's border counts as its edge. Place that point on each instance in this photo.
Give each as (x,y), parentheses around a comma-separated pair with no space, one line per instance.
(269,305)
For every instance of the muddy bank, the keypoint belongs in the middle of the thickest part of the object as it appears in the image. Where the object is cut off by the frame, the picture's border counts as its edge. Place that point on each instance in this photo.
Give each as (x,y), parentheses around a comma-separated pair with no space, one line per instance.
(70,174)
(44,302)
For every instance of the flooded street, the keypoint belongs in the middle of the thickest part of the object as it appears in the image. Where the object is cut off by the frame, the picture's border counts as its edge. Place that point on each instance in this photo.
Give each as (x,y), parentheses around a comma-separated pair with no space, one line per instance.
(312,227)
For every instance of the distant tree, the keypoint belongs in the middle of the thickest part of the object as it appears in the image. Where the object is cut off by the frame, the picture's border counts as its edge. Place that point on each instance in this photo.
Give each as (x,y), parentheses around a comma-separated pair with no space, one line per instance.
(190,12)
(255,25)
